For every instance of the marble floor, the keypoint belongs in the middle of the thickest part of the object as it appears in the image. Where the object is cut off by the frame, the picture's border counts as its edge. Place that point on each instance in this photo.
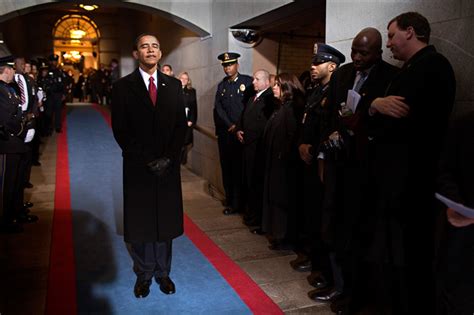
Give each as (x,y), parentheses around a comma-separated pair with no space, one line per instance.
(24,258)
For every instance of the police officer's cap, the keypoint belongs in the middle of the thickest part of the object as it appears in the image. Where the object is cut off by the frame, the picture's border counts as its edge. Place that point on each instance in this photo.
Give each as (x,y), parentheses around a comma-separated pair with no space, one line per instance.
(324,53)
(6,60)
(42,63)
(53,57)
(228,58)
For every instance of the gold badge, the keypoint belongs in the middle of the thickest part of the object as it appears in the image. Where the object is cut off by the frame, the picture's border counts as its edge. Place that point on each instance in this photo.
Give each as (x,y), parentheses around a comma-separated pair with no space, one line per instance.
(323,102)
(242,87)
(226,56)
(315,49)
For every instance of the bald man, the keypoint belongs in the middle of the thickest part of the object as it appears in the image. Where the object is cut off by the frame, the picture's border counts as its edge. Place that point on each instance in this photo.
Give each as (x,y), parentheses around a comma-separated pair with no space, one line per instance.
(250,129)
(347,203)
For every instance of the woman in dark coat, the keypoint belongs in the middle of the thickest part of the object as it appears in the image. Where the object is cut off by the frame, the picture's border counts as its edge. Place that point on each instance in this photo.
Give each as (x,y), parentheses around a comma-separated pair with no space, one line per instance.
(282,161)
(191,113)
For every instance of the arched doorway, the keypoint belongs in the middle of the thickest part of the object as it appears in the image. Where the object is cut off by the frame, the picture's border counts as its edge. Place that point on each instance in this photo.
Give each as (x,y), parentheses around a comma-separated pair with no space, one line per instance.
(76,40)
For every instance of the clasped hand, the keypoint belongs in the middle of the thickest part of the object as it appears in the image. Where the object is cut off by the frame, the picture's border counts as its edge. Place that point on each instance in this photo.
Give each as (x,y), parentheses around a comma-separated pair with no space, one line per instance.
(159,167)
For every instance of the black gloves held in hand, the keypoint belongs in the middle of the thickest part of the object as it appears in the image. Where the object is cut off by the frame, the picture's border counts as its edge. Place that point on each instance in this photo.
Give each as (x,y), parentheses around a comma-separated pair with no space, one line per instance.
(159,167)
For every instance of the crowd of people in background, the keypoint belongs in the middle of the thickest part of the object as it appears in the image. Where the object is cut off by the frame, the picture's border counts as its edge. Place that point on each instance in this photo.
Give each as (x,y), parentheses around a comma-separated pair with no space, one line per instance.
(342,168)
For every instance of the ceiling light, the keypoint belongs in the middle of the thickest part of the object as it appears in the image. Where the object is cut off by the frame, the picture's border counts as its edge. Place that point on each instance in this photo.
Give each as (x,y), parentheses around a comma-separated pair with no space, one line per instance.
(77,34)
(89,7)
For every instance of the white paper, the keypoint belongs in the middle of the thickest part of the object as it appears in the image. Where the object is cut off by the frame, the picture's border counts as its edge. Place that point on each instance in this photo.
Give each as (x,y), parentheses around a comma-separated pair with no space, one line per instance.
(353,99)
(29,135)
(458,207)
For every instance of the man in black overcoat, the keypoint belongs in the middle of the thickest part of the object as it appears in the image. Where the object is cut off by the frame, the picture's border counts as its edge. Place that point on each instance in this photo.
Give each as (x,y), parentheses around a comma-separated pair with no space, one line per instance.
(148,121)
(250,129)
(409,125)
(347,179)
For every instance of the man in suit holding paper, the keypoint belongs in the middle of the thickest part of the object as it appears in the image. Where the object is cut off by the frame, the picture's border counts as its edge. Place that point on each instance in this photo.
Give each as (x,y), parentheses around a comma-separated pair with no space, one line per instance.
(148,122)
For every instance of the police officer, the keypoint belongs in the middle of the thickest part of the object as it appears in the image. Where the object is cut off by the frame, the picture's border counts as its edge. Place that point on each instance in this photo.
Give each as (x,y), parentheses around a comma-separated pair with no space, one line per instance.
(232,93)
(12,147)
(55,95)
(316,118)
(43,82)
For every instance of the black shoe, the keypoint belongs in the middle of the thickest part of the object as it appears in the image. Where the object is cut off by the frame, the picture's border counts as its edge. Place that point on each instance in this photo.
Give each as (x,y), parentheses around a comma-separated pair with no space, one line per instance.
(317,280)
(166,285)
(325,296)
(36,163)
(257,231)
(280,245)
(142,288)
(28,204)
(27,218)
(303,265)
(29,185)
(230,211)
(251,222)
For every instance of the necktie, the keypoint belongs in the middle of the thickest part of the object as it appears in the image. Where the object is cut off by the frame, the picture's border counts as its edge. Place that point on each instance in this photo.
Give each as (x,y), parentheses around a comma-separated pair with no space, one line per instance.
(22,89)
(152,90)
(361,75)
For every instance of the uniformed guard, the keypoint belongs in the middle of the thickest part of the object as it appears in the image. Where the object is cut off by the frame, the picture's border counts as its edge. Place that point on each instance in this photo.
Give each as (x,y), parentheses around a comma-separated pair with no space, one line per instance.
(326,60)
(12,147)
(232,93)
(55,95)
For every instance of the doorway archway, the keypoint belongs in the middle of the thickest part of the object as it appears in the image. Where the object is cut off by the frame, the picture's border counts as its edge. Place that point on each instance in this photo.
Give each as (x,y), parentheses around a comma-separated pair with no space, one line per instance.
(76,40)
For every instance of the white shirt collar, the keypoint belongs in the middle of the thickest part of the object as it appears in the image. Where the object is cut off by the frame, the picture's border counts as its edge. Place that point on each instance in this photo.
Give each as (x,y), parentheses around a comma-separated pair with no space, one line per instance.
(146,77)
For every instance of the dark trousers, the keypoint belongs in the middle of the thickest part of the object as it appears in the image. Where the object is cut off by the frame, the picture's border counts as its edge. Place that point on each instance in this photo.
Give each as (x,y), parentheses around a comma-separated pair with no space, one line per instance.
(151,259)
(230,153)
(12,185)
(53,107)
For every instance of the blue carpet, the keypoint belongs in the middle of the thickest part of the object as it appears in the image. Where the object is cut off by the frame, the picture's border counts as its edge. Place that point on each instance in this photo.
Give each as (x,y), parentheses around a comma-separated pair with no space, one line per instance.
(103,265)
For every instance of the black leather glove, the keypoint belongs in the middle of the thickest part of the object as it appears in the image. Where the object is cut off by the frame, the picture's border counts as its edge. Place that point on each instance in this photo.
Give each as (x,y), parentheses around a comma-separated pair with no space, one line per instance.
(160,167)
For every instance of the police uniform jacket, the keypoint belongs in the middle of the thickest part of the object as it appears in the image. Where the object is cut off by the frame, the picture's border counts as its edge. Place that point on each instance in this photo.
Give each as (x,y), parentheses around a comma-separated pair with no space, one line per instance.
(11,121)
(153,209)
(231,95)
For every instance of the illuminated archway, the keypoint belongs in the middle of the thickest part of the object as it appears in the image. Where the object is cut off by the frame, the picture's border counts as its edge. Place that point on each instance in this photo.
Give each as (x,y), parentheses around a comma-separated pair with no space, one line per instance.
(76,41)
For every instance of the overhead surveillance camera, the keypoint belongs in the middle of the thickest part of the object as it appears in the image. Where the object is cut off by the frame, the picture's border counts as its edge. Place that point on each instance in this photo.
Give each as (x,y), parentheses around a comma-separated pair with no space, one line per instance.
(248,37)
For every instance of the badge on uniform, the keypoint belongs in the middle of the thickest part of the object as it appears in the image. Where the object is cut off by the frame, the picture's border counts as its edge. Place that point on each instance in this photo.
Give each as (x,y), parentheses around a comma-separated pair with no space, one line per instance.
(242,87)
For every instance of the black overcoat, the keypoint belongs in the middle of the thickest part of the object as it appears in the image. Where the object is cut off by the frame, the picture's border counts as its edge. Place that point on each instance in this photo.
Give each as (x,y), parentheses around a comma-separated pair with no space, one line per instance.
(153,207)
(190,104)
(348,213)
(406,153)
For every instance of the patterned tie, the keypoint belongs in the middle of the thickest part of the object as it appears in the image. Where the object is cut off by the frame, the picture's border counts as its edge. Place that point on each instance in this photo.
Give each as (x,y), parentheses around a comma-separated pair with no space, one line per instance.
(22,89)
(152,90)
(361,75)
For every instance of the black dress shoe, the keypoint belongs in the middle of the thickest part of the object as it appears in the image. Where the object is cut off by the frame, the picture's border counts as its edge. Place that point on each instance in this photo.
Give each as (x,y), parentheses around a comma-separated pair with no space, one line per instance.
(258,231)
(230,211)
(28,204)
(317,280)
(325,296)
(29,185)
(27,218)
(36,163)
(303,265)
(280,245)
(142,288)
(166,285)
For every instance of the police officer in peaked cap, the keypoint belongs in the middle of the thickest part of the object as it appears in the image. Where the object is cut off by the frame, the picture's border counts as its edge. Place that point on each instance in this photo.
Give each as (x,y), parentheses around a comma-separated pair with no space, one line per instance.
(231,95)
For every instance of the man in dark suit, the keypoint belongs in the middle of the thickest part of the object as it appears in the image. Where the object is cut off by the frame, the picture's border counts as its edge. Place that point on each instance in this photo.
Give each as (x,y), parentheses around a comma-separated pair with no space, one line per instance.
(347,178)
(250,129)
(409,125)
(148,122)
(231,95)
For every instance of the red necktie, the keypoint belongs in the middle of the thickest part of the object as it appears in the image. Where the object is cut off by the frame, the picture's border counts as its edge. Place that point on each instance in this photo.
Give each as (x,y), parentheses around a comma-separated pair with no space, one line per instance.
(152,90)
